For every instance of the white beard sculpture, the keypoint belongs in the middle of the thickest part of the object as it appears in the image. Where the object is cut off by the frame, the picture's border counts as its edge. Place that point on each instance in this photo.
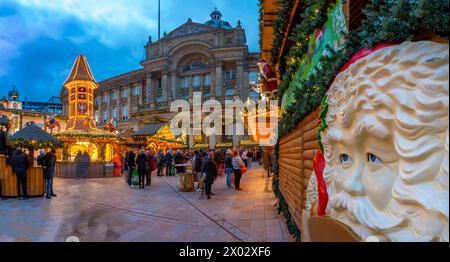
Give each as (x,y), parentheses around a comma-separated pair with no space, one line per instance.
(387,145)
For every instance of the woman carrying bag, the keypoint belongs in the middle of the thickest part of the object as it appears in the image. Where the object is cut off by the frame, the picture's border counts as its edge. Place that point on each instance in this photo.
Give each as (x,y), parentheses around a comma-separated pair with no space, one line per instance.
(238,169)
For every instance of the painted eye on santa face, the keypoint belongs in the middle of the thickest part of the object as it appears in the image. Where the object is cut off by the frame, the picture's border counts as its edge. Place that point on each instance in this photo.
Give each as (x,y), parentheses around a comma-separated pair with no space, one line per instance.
(346,159)
(373,159)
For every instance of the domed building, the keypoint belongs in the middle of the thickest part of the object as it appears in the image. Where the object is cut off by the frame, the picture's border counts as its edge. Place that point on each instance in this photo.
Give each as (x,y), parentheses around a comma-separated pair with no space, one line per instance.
(211,57)
(216,20)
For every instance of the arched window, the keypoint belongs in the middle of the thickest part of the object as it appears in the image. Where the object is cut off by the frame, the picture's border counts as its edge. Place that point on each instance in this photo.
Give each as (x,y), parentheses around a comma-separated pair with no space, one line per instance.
(196,81)
(207,80)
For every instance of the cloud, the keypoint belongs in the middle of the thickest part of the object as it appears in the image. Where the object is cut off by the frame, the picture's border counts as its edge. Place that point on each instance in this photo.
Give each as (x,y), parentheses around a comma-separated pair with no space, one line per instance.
(39,40)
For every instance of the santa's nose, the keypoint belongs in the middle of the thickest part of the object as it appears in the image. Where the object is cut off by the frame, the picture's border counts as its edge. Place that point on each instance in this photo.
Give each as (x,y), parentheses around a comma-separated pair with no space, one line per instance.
(353,183)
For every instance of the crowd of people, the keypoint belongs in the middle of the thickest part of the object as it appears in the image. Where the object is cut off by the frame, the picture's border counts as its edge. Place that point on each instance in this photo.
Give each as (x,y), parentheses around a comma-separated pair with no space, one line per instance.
(206,165)
(140,164)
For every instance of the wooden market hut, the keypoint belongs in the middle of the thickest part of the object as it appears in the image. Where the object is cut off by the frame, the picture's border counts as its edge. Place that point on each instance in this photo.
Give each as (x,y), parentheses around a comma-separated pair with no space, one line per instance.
(159,137)
(31,138)
(81,133)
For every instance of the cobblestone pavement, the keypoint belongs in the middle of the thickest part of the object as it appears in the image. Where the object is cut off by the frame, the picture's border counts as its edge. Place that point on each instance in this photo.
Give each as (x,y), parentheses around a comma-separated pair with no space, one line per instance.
(107,210)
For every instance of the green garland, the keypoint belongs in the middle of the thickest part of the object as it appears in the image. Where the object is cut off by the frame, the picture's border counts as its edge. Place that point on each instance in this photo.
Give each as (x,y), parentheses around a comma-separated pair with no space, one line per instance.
(314,16)
(283,206)
(261,23)
(386,21)
(280,26)
(323,121)
(23,143)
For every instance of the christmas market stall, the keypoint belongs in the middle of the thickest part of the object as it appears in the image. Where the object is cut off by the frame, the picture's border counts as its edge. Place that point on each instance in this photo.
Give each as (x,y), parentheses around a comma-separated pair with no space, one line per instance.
(159,137)
(81,136)
(355,154)
(30,138)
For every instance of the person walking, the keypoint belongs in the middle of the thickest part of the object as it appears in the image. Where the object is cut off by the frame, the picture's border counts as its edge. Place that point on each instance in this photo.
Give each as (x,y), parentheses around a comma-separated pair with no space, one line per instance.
(210,171)
(131,164)
(49,172)
(142,167)
(117,165)
(78,164)
(168,159)
(86,164)
(237,163)
(229,167)
(249,158)
(259,156)
(268,159)
(161,162)
(245,157)
(151,159)
(20,163)
(197,169)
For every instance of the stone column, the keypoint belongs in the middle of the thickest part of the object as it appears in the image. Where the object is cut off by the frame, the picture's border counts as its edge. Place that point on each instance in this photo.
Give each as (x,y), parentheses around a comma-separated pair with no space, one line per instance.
(150,90)
(236,141)
(129,101)
(212,142)
(141,91)
(100,108)
(191,141)
(119,105)
(246,84)
(239,78)
(173,86)
(165,86)
(108,105)
(191,87)
(218,89)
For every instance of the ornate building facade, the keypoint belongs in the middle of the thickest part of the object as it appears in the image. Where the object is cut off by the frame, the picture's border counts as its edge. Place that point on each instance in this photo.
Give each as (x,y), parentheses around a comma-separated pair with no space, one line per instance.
(212,58)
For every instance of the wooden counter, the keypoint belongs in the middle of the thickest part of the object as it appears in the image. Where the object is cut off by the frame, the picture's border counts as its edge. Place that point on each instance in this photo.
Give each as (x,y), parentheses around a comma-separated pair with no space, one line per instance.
(8,180)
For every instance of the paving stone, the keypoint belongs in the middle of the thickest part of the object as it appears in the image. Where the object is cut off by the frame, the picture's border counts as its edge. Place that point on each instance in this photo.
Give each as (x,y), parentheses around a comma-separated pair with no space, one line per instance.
(107,210)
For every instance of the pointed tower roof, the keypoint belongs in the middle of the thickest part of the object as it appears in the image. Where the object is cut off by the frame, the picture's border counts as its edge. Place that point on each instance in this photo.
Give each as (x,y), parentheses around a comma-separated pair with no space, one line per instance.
(80,71)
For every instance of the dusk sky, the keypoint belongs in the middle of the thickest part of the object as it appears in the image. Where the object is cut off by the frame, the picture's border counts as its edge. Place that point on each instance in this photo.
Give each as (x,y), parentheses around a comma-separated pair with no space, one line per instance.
(40,39)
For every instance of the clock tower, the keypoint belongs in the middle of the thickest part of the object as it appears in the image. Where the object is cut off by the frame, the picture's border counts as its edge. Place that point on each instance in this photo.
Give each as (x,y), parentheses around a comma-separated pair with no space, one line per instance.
(81,85)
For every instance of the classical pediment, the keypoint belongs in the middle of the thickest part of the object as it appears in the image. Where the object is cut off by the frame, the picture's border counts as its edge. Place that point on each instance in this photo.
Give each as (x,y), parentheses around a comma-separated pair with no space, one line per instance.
(190,28)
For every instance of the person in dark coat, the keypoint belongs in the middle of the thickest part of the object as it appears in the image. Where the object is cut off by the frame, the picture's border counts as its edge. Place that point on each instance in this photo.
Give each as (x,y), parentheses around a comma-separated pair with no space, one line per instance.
(151,167)
(210,170)
(3,136)
(131,164)
(168,159)
(20,163)
(161,162)
(49,172)
(197,168)
(86,164)
(79,164)
(142,163)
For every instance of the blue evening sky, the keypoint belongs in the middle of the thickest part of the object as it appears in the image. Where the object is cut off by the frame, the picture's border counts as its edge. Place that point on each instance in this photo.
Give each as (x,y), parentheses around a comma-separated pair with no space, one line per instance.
(40,39)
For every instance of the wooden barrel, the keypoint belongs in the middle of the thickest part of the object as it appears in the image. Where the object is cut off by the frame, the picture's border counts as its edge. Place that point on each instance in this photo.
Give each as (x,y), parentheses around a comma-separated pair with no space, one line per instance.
(8,180)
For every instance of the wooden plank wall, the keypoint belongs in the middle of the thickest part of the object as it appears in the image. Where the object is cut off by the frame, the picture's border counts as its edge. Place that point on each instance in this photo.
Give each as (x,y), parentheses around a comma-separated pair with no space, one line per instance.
(296,154)
(8,180)
(96,170)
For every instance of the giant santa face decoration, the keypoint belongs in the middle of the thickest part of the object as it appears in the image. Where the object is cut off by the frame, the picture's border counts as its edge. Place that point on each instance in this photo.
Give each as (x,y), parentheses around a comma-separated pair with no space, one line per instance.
(386,147)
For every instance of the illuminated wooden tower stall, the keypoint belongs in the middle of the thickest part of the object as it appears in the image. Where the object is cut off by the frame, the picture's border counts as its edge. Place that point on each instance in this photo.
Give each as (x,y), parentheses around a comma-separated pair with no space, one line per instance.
(81,133)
